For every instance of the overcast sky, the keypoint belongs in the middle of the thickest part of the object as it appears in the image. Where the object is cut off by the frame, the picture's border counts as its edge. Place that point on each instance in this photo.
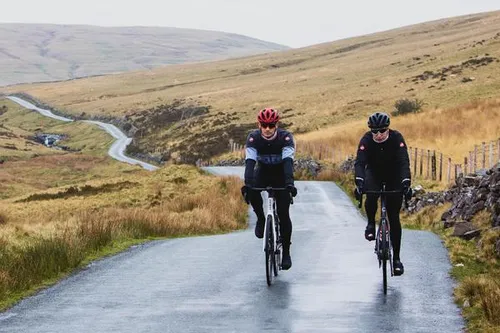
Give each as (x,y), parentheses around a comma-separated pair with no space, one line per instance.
(289,22)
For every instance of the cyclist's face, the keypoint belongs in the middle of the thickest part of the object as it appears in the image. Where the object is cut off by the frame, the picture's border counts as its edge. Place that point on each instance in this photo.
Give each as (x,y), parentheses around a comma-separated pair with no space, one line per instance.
(380,135)
(268,129)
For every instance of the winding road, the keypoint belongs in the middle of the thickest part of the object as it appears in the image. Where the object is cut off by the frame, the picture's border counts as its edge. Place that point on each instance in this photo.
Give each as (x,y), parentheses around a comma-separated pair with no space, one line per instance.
(217,283)
(117,149)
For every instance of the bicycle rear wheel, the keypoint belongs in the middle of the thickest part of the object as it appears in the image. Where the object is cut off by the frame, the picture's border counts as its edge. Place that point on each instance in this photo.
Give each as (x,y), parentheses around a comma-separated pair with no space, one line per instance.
(269,251)
(384,244)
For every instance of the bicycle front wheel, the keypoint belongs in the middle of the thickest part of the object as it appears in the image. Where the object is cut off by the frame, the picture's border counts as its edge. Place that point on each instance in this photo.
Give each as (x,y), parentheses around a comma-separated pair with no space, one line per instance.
(278,249)
(385,249)
(269,251)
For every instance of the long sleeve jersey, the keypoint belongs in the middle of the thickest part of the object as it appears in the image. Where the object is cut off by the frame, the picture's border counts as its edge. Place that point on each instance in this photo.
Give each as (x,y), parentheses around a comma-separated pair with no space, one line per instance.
(274,157)
(388,160)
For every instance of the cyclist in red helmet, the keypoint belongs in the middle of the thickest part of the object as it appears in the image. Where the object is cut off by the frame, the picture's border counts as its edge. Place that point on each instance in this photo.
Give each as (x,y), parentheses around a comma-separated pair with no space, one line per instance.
(269,162)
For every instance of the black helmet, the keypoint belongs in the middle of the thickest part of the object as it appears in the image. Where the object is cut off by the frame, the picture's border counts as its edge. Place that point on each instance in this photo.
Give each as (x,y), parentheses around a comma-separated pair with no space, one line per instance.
(379,120)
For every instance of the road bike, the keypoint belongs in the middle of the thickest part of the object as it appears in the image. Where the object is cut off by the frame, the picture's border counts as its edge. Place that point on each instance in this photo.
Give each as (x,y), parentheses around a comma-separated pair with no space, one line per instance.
(272,242)
(383,245)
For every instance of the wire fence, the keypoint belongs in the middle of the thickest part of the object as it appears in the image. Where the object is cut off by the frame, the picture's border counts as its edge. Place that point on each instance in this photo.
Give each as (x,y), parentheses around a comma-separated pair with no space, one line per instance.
(424,163)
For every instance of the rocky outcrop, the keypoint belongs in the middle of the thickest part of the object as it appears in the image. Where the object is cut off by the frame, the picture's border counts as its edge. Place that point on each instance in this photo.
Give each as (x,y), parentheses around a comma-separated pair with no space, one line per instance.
(472,194)
(348,165)
(423,199)
(308,165)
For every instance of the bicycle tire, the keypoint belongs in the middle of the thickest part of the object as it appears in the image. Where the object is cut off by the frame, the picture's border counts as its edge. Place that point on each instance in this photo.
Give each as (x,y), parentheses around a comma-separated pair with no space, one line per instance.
(384,244)
(277,260)
(278,249)
(269,251)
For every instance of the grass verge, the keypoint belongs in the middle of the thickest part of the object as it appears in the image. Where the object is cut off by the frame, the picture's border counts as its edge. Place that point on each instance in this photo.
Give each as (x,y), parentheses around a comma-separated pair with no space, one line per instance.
(31,260)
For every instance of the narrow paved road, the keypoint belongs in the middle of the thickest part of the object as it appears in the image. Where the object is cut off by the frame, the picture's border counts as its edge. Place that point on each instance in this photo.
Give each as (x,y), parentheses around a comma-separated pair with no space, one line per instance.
(217,283)
(117,149)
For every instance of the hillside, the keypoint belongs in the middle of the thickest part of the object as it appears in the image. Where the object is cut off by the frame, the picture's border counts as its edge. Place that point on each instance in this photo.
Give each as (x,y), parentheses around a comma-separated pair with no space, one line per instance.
(191,111)
(44,52)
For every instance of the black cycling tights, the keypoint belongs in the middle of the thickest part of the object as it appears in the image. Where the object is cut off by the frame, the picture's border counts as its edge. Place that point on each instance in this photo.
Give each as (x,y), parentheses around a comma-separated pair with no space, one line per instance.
(393,205)
(283,206)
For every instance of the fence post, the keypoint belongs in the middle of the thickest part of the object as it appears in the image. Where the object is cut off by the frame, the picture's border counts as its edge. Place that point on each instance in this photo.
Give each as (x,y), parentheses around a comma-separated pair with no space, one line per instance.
(415,162)
(428,164)
(491,155)
(465,165)
(484,155)
(433,165)
(475,158)
(498,144)
(421,162)
(440,167)
(471,160)
(449,170)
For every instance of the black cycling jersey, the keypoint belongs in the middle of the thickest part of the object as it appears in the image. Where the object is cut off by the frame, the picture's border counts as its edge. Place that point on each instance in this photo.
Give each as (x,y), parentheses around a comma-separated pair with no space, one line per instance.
(388,160)
(274,159)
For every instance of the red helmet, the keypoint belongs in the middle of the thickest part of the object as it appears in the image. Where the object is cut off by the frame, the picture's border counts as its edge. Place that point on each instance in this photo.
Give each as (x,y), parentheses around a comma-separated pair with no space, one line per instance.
(268,116)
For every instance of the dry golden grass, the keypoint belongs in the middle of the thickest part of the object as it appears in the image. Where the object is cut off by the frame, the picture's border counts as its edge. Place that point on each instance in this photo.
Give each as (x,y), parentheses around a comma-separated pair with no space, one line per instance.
(59,208)
(325,84)
(453,131)
(50,237)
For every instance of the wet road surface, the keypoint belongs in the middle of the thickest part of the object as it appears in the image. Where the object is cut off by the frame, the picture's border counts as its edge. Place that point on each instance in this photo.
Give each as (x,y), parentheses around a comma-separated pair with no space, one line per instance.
(217,283)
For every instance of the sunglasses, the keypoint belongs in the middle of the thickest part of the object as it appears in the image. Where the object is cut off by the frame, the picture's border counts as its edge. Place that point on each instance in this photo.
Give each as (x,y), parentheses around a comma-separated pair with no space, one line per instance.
(268,125)
(379,130)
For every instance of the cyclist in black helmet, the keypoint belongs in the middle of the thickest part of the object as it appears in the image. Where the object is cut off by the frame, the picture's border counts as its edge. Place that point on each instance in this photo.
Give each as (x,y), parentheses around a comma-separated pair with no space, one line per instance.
(383,157)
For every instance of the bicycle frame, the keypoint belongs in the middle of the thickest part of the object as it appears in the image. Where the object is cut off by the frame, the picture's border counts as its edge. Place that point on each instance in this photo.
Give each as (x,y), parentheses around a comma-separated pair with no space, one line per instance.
(271,211)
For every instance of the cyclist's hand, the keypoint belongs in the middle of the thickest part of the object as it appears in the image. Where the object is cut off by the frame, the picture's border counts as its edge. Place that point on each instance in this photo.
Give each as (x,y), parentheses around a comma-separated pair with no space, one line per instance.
(245,192)
(407,190)
(360,182)
(292,189)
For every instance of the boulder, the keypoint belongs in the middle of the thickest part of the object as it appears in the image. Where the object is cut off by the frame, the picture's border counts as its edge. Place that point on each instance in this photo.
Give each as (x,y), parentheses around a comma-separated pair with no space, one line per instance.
(471,234)
(449,224)
(418,190)
(462,228)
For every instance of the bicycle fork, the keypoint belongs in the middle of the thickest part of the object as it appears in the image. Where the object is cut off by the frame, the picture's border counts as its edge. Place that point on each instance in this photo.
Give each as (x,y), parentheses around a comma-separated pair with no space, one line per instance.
(270,210)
